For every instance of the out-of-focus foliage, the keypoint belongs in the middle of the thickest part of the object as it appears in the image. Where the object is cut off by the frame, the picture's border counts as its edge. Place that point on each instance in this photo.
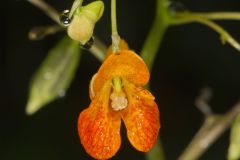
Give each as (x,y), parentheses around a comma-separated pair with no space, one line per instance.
(54,75)
(234,148)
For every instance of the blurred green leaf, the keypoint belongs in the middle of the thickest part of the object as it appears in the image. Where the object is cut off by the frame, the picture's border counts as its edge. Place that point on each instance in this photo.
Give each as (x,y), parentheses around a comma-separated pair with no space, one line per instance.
(234,148)
(54,75)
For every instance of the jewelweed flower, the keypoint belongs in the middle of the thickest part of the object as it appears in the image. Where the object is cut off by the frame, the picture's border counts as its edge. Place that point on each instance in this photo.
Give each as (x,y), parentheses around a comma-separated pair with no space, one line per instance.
(116,93)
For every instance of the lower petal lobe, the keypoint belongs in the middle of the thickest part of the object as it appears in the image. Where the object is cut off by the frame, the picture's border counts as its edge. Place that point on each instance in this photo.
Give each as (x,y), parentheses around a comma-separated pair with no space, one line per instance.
(99,129)
(141,118)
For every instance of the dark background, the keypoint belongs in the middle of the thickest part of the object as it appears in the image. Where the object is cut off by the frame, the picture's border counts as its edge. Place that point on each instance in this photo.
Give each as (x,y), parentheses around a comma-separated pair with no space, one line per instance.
(191,57)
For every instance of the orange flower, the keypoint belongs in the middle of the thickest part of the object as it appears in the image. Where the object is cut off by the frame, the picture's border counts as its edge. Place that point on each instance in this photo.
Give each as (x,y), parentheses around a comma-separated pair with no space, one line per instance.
(116,93)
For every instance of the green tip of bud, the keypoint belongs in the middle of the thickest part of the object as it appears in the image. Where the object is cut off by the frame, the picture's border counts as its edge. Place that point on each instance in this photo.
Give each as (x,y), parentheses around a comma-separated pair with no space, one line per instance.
(31,108)
(84,20)
(34,104)
(94,10)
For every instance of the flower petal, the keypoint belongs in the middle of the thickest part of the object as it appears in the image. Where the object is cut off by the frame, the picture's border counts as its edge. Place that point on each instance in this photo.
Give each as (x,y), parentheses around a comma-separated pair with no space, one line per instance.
(99,129)
(141,118)
(126,64)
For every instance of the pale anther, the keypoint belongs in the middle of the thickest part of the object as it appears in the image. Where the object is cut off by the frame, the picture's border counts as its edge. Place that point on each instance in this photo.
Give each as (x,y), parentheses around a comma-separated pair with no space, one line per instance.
(119,101)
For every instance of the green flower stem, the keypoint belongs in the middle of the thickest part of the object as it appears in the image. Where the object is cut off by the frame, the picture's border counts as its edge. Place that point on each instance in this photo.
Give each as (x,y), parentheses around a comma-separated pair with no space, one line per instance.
(188,17)
(114,17)
(115,35)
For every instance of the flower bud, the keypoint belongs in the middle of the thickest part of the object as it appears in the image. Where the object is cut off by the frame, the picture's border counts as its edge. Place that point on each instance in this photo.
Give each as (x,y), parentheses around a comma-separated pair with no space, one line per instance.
(84,20)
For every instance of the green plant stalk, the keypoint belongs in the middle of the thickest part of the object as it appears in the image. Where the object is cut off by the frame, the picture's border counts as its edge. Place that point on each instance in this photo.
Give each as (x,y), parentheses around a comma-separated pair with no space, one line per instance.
(155,36)
(153,43)
(148,54)
(188,17)
(151,46)
(213,15)
(233,150)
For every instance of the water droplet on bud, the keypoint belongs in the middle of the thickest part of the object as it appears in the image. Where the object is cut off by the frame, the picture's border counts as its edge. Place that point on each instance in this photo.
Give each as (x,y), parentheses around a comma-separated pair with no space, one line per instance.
(61,93)
(88,44)
(64,18)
